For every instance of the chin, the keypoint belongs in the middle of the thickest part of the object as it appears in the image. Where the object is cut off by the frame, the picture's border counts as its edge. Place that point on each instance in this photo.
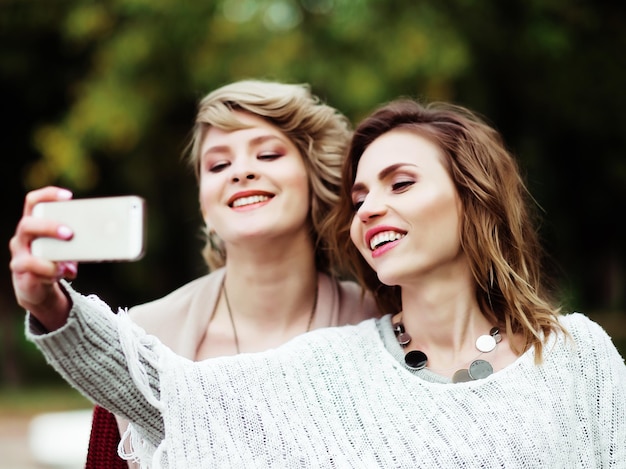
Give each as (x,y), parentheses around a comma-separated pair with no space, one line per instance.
(387,278)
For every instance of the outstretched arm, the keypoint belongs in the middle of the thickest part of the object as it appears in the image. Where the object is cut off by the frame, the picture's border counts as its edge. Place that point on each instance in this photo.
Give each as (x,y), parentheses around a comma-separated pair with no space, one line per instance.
(78,336)
(88,353)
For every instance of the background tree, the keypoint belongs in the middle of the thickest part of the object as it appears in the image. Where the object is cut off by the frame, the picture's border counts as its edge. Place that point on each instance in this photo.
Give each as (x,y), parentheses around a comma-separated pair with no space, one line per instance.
(100,97)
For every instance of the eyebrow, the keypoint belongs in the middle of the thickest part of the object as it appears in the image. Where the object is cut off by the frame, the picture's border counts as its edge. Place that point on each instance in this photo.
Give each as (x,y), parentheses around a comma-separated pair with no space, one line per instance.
(253,142)
(359,186)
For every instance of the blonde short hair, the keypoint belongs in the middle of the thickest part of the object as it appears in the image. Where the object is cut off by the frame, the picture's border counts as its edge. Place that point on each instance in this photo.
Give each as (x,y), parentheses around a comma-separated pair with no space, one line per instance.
(320,132)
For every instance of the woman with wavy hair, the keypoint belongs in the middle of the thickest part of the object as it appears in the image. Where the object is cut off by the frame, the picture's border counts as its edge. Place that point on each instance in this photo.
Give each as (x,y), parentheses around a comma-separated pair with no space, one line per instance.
(472,366)
(495,236)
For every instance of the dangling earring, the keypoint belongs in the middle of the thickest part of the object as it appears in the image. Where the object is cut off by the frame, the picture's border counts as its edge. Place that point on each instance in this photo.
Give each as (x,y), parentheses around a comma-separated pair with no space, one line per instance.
(490,286)
(217,245)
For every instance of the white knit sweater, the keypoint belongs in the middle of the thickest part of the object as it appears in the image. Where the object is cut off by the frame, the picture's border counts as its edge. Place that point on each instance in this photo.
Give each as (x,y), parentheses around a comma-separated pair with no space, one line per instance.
(342,398)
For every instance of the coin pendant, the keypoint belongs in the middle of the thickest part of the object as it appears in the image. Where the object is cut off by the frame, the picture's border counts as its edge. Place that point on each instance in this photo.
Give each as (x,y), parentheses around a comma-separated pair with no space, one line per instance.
(479,369)
(461,376)
(486,343)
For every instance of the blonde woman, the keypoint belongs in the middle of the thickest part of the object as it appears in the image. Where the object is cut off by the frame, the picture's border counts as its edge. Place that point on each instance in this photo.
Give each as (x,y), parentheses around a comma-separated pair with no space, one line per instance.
(267,157)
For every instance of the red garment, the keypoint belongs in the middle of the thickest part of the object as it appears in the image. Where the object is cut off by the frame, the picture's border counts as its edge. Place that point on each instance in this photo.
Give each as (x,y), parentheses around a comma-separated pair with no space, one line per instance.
(103,441)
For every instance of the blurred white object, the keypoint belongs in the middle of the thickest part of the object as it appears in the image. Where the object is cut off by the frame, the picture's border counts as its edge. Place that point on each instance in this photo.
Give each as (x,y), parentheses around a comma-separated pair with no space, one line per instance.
(60,439)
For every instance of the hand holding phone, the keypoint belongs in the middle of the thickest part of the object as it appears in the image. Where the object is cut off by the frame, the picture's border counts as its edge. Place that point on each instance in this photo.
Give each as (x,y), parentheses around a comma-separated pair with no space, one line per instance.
(106,229)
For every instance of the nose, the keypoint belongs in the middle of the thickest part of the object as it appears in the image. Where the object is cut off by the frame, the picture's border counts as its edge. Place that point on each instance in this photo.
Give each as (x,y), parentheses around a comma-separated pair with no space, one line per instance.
(371,208)
(242,170)
(241,176)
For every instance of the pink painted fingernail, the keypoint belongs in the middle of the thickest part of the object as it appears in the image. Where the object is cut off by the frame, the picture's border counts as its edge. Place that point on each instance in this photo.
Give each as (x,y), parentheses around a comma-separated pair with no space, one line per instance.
(67,270)
(64,194)
(64,232)
(70,269)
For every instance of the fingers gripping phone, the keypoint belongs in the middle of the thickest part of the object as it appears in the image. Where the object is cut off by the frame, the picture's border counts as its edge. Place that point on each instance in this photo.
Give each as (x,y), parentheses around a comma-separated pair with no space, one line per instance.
(106,229)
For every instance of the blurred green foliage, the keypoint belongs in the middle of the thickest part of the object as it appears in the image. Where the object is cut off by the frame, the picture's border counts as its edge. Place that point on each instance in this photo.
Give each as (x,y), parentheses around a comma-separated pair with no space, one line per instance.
(100,97)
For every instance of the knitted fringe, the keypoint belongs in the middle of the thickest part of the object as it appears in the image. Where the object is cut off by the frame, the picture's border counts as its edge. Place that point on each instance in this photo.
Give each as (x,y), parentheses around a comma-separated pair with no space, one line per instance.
(138,346)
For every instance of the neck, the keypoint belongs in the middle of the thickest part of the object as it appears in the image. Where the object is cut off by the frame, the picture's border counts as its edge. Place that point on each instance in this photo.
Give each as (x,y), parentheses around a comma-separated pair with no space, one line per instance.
(255,281)
(238,349)
(281,328)
(262,252)
(444,321)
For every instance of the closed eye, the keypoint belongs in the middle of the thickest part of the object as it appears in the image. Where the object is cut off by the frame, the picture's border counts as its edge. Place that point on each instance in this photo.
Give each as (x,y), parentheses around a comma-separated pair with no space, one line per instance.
(357,202)
(218,167)
(269,156)
(400,186)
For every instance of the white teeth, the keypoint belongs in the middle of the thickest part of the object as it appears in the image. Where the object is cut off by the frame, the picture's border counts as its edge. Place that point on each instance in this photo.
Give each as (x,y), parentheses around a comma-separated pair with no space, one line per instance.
(253,199)
(384,237)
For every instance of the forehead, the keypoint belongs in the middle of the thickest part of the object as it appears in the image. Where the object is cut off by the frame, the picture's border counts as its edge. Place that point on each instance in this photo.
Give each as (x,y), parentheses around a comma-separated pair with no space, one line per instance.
(248,127)
(399,146)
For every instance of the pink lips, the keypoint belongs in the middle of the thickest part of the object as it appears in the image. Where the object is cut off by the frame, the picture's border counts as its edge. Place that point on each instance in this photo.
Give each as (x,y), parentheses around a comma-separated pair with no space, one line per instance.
(249,199)
(384,248)
(390,241)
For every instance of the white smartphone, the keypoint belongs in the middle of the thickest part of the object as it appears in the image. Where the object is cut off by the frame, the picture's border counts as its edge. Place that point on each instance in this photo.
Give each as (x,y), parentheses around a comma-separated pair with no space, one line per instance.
(106,229)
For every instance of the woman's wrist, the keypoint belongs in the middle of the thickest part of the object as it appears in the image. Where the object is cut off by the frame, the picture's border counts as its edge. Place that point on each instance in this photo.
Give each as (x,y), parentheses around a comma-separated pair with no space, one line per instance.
(53,315)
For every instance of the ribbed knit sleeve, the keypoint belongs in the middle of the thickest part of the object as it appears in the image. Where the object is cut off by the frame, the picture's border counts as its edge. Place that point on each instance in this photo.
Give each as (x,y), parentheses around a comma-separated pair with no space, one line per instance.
(88,354)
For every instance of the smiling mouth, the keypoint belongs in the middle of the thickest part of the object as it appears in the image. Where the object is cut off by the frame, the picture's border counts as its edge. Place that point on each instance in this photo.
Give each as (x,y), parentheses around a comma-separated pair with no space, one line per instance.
(251,200)
(384,237)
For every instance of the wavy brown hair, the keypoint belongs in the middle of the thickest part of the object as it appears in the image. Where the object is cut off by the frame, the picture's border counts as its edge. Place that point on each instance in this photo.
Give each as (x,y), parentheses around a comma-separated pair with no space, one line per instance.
(319,131)
(498,227)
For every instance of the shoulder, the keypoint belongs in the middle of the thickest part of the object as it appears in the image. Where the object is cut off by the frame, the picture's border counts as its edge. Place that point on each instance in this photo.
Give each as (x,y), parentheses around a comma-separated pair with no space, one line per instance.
(355,304)
(592,345)
(177,304)
(582,328)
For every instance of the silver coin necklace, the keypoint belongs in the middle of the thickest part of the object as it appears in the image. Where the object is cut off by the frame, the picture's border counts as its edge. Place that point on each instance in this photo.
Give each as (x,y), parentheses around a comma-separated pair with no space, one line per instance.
(477,369)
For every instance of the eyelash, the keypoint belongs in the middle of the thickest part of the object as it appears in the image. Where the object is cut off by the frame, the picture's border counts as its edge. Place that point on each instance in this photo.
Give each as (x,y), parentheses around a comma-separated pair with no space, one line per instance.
(269,156)
(216,168)
(402,185)
(399,186)
(357,205)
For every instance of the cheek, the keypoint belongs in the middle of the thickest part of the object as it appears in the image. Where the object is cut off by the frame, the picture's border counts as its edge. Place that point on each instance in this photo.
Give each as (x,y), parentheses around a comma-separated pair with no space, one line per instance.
(355,233)
(300,189)
(454,217)
(447,218)
(297,177)
(206,197)
(442,206)
(302,184)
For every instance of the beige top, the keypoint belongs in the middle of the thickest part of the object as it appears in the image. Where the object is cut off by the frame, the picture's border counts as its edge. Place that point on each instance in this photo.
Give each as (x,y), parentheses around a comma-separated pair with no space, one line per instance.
(191,306)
